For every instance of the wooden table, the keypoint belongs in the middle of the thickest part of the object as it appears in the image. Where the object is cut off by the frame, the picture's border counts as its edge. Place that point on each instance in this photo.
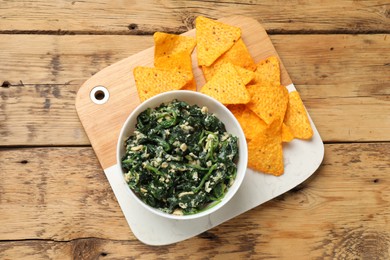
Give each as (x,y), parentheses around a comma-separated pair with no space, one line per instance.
(55,201)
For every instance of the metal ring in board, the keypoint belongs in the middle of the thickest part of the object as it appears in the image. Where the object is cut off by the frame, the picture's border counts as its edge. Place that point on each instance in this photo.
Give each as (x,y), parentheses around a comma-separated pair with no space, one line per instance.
(99,95)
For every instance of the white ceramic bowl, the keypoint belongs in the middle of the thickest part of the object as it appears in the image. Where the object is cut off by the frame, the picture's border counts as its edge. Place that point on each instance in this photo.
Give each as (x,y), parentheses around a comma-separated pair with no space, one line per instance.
(215,107)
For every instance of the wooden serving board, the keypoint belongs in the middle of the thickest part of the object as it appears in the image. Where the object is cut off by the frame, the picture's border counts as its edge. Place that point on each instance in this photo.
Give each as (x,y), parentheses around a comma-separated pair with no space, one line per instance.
(103,122)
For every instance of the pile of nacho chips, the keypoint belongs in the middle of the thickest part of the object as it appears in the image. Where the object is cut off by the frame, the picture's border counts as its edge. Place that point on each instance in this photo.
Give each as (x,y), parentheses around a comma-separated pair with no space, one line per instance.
(172,66)
(267,112)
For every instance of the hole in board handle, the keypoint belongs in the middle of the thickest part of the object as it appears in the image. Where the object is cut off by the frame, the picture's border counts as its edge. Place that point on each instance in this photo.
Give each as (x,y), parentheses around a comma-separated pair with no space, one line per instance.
(99,95)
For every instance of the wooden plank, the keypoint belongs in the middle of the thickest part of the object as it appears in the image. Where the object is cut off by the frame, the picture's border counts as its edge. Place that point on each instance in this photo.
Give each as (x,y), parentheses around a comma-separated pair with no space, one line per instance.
(343,210)
(40,115)
(49,59)
(140,17)
(356,64)
(351,119)
(46,115)
(337,76)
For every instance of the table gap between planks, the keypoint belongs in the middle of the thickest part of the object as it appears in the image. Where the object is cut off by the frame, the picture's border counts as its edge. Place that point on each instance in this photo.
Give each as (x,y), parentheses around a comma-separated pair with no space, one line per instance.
(55,201)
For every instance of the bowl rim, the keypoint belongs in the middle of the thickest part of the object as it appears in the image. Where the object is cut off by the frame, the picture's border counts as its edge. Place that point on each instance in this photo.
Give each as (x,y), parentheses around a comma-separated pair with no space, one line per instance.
(167,97)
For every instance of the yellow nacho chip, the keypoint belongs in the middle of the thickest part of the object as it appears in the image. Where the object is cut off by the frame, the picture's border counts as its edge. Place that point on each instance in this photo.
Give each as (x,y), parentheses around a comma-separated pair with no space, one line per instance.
(296,117)
(245,75)
(251,124)
(191,85)
(269,103)
(226,86)
(152,81)
(238,55)
(267,72)
(181,61)
(265,152)
(168,44)
(213,39)
(287,134)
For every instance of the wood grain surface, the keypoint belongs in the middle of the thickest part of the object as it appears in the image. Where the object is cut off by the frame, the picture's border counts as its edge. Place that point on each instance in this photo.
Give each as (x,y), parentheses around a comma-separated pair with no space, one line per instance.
(141,17)
(55,202)
(69,212)
(336,75)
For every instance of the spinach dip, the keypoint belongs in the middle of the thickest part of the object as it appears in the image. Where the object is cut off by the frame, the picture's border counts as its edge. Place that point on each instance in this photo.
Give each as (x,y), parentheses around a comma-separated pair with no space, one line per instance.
(180,159)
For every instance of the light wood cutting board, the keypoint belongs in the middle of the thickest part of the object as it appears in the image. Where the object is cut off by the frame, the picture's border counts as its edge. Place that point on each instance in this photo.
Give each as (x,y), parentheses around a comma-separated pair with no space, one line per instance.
(103,122)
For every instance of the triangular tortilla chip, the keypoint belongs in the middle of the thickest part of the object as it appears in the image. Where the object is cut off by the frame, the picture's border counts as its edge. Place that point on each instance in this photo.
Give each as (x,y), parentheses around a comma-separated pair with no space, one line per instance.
(265,152)
(152,81)
(238,55)
(181,61)
(268,72)
(213,39)
(296,117)
(269,103)
(251,124)
(227,87)
(245,75)
(168,44)
(191,85)
(287,134)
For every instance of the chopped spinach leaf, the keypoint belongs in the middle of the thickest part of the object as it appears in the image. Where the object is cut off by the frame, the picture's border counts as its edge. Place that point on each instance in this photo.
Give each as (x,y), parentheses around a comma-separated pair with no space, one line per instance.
(180,159)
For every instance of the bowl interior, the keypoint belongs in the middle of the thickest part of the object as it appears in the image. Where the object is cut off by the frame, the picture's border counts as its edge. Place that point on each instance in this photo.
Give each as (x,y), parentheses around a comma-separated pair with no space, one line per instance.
(215,107)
